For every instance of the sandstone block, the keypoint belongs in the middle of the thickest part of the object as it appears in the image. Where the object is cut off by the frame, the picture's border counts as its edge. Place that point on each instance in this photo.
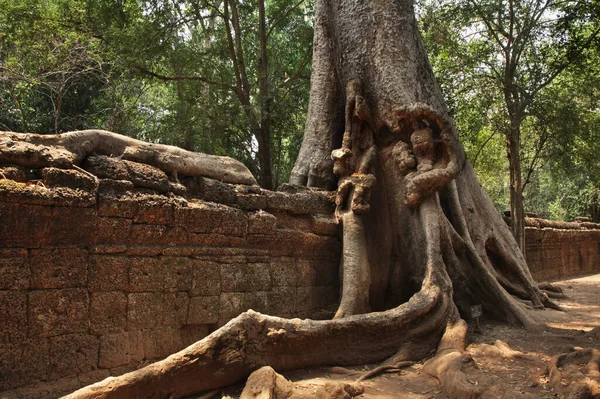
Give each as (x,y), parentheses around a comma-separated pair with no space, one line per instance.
(23,225)
(108,312)
(50,389)
(245,277)
(193,333)
(203,310)
(262,222)
(14,269)
(111,230)
(91,377)
(177,273)
(13,313)
(106,167)
(284,272)
(148,234)
(234,303)
(58,312)
(206,278)
(23,362)
(108,273)
(161,342)
(55,177)
(72,354)
(175,309)
(120,349)
(145,274)
(147,176)
(58,268)
(144,310)
(70,226)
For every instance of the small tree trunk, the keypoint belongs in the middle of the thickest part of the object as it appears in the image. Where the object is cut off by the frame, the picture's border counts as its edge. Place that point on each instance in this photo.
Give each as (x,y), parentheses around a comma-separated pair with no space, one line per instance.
(517,211)
(264,132)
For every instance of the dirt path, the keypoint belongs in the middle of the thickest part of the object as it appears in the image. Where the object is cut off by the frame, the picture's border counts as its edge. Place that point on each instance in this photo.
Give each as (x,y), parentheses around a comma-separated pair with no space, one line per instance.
(518,375)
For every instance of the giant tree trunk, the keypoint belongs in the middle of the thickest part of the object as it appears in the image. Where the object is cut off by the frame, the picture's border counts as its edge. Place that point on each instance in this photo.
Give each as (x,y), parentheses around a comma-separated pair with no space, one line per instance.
(422,241)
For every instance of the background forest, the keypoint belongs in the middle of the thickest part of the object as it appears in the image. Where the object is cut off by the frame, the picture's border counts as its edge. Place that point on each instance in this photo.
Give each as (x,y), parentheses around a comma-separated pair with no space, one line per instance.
(231,77)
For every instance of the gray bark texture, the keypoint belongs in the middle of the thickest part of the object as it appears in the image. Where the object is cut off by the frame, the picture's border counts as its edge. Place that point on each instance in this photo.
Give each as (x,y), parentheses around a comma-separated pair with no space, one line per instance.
(68,150)
(422,241)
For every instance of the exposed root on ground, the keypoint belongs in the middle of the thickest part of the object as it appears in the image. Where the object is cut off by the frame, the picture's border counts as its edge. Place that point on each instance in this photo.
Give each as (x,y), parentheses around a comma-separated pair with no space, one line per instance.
(576,375)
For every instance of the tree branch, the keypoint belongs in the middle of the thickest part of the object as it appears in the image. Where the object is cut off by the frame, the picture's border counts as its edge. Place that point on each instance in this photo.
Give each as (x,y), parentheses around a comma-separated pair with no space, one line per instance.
(283,17)
(179,78)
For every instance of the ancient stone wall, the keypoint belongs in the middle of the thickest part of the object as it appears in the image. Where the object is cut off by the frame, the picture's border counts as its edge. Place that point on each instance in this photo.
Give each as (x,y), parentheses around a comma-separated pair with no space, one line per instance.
(105,269)
(100,276)
(559,253)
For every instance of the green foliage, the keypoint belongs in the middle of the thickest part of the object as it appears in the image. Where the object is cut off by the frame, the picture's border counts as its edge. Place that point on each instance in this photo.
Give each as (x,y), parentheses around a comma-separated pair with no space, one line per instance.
(555,84)
(75,64)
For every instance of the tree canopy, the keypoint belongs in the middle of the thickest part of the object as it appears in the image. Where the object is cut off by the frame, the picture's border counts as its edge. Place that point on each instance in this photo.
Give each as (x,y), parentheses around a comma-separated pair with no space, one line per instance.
(164,72)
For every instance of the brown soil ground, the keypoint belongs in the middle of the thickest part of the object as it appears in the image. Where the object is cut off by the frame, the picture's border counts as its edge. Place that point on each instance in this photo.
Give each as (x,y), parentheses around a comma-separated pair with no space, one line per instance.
(521,376)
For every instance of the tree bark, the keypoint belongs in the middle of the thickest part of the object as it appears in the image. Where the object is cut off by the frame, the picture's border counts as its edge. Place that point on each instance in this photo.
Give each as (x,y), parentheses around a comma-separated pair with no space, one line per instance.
(422,241)
(68,150)
(517,208)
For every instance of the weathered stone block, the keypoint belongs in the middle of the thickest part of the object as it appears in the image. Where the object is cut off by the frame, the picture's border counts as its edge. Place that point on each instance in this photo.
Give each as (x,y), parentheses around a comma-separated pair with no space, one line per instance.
(161,342)
(282,301)
(108,312)
(300,203)
(14,172)
(206,278)
(204,217)
(115,204)
(111,230)
(58,268)
(148,234)
(209,190)
(245,277)
(284,272)
(193,333)
(13,316)
(144,250)
(55,177)
(72,354)
(251,202)
(313,298)
(106,167)
(58,312)
(154,213)
(145,274)
(147,176)
(307,275)
(324,225)
(107,249)
(177,273)
(203,310)
(108,273)
(50,389)
(262,222)
(144,310)
(70,227)
(234,222)
(121,349)
(175,309)
(23,225)
(14,269)
(23,362)
(234,303)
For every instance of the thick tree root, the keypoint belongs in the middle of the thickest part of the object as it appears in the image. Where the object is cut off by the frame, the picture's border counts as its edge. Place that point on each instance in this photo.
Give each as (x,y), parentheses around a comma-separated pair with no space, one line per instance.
(252,340)
(502,349)
(67,150)
(576,375)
